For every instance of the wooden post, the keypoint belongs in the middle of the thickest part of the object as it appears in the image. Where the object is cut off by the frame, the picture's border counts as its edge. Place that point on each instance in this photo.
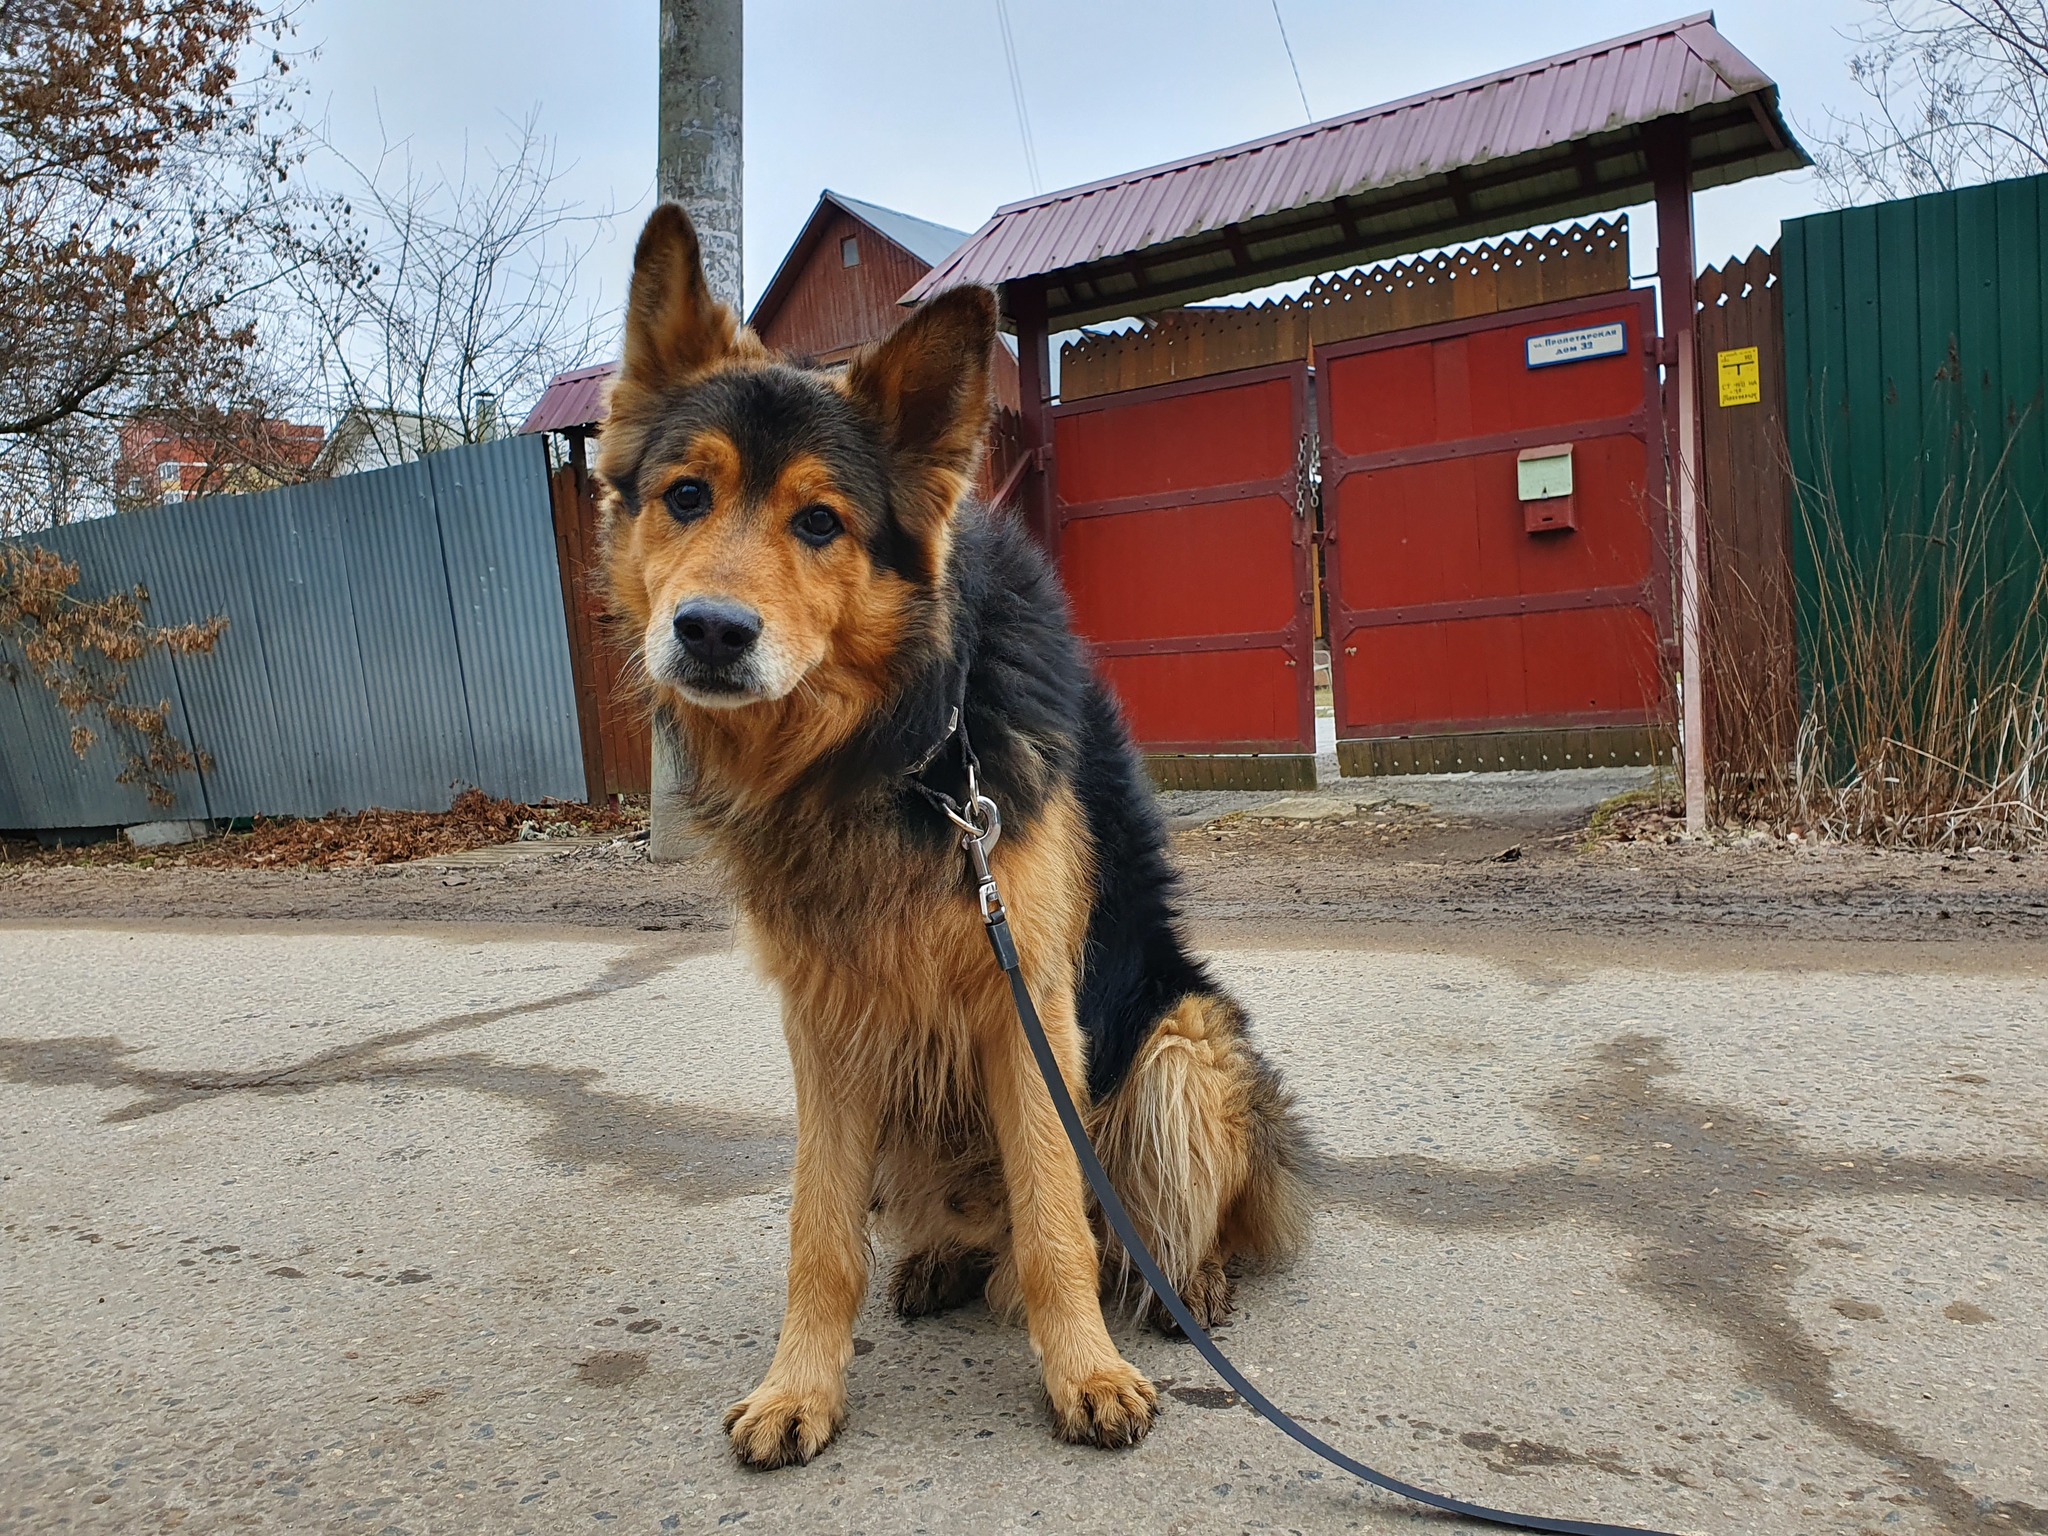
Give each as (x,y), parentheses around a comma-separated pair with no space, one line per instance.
(1026,304)
(575,556)
(1670,152)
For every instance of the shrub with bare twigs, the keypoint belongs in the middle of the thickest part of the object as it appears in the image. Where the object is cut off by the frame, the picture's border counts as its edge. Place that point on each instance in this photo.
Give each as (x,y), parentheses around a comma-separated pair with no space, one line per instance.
(81,649)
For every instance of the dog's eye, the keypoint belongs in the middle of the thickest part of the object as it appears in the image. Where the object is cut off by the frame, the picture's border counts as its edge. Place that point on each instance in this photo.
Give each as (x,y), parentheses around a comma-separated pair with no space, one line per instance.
(688,500)
(817,526)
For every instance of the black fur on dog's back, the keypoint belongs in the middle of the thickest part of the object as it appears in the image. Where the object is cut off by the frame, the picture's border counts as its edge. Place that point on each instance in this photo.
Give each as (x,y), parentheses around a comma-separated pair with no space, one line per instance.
(1038,717)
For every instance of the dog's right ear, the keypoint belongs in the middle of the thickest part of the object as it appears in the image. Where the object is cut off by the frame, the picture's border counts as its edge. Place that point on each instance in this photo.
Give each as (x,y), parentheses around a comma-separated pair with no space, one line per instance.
(674,328)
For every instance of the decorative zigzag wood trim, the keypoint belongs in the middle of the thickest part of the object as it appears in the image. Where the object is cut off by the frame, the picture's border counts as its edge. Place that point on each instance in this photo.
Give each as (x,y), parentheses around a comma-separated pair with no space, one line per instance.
(1482,279)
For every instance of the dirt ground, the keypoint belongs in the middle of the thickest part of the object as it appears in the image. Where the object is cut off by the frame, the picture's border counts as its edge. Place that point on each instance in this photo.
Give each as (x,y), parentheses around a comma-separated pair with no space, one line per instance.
(1420,856)
(370,837)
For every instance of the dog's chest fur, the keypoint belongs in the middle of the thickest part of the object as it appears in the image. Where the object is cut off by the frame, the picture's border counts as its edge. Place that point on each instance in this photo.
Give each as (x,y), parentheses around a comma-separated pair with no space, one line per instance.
(873,936)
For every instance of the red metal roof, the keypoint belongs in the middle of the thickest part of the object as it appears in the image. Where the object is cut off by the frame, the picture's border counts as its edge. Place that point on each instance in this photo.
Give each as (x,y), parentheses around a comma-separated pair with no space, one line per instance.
(1534,144)
(572,399)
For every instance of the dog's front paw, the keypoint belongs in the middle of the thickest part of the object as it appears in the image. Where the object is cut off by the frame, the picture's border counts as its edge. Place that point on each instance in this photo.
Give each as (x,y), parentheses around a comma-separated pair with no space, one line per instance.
(778,1427)
(1111,1408)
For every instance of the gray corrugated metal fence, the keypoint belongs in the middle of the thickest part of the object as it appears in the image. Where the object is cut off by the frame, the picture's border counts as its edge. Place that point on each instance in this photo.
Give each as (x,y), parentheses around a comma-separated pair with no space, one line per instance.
(392,638)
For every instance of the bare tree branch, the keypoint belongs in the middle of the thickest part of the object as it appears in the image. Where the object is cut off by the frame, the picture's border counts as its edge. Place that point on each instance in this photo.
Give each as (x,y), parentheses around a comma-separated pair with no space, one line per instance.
(1958,94)
(457,299)
(140,166)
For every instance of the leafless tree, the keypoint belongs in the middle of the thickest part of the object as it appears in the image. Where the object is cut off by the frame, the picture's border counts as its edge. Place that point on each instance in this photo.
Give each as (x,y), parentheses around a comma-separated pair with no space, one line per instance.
(441,303)
(1958,93)
(141,155)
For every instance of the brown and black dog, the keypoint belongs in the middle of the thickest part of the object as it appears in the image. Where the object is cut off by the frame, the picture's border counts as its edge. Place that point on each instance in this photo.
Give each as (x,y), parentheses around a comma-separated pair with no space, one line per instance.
(814,593)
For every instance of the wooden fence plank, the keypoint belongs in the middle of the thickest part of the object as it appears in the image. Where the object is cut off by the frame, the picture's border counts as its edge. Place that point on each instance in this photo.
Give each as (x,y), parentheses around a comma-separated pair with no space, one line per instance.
(1752,667)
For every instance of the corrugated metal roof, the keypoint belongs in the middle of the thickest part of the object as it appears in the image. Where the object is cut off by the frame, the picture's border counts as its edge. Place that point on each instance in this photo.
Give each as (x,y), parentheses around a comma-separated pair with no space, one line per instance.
(1534,144)
(572,399)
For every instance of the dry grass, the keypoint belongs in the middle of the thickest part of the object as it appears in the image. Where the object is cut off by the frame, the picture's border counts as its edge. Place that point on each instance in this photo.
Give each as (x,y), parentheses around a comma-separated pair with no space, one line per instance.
(1653,814)
(341,842)
(1925,717)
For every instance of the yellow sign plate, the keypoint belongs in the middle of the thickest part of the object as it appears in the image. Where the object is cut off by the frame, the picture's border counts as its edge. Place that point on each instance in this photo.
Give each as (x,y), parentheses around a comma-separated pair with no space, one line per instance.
(1741,380)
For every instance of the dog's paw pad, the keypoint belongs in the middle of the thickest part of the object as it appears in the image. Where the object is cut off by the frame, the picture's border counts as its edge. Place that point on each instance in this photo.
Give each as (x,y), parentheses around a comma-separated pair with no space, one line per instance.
(775,1428)
(1110,1408)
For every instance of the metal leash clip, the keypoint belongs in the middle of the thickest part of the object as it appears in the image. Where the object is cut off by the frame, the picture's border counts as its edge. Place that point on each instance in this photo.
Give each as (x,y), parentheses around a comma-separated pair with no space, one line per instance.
(977,838)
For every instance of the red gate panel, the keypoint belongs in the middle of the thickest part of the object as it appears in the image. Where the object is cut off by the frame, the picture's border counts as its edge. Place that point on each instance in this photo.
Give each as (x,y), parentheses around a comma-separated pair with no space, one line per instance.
(1183,543)
(1447,614)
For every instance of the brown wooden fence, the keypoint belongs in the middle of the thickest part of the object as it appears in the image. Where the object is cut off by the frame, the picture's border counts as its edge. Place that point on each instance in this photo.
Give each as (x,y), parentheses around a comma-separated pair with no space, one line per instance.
(1752,667)
(609,709)
(1002,459)
(1453,285)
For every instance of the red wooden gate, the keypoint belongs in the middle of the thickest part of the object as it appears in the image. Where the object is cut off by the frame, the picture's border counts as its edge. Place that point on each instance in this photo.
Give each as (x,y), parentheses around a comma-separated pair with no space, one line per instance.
(1182,537)
(1465,633)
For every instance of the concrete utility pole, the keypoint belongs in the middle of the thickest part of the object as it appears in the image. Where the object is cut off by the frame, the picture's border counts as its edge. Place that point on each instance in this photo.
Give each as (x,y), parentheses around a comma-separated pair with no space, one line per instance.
(699,160)
(698,163)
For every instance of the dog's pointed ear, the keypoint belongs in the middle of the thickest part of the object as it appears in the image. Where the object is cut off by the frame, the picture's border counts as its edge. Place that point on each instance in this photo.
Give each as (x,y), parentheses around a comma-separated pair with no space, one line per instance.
(674,328)
(928,386)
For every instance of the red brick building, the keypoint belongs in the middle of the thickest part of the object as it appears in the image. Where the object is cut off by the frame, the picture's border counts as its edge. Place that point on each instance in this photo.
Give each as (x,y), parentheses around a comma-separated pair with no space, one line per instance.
(162,462)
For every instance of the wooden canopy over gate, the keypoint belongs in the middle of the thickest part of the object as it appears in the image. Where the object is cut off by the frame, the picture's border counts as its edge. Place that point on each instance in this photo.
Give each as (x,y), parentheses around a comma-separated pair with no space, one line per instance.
(1657,113)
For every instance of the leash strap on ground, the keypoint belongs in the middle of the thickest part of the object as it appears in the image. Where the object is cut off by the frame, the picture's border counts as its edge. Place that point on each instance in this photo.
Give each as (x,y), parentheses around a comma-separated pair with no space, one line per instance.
(1127,1234)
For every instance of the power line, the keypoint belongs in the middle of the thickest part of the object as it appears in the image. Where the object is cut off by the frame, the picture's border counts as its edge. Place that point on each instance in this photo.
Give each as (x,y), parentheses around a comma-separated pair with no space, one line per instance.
(1017,96)
(1306,113)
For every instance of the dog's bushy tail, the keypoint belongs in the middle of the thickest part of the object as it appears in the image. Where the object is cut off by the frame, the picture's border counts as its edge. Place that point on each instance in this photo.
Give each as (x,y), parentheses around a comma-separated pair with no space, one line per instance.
(1268,1223)
(1205,1146)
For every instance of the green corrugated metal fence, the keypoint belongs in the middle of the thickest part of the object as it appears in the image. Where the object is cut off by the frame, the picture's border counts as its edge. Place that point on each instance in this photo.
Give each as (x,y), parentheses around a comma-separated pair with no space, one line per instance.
(1916,344)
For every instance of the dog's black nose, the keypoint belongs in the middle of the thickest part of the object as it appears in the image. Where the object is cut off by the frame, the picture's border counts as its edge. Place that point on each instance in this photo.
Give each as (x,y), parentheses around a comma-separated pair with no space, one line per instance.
(715,631)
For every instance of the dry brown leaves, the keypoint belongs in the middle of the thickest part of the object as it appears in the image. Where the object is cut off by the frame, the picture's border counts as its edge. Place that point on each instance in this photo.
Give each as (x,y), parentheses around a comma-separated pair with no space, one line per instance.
(1654,814)
(368,837)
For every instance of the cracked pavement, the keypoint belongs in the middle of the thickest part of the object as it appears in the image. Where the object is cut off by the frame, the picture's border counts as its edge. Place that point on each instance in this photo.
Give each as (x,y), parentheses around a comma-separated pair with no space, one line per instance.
(478,1229)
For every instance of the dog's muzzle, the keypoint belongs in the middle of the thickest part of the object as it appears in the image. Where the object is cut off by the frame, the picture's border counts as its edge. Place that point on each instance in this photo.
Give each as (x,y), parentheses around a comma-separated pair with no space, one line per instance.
(713,651)
(714,633)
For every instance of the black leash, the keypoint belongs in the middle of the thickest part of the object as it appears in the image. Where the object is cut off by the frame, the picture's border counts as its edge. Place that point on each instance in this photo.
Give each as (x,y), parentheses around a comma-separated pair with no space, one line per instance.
(980,825)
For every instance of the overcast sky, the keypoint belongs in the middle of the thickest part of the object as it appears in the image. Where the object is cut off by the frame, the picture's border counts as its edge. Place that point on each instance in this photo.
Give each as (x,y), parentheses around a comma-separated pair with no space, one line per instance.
(907,102)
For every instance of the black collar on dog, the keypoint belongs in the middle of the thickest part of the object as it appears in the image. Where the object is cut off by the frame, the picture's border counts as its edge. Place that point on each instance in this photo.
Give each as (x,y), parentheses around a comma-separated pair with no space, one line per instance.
(956,730)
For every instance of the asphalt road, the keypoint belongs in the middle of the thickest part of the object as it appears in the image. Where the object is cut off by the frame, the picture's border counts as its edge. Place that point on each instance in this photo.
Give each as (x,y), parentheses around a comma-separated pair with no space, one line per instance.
(475,1230)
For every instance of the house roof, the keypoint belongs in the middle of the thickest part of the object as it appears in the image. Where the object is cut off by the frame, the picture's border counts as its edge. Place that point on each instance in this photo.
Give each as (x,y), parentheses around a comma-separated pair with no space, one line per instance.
(930,243)
(576,399)
(1535,144)
(921,239)
(572,399)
